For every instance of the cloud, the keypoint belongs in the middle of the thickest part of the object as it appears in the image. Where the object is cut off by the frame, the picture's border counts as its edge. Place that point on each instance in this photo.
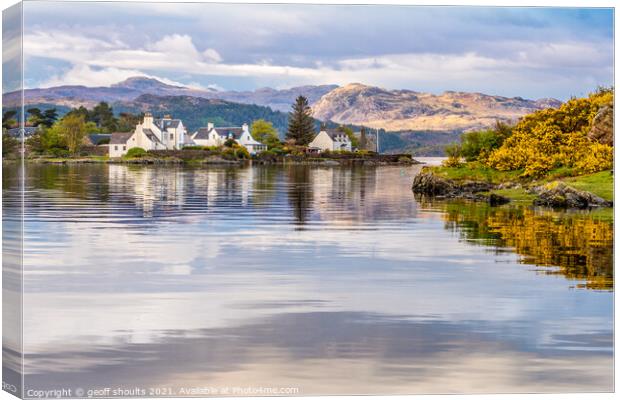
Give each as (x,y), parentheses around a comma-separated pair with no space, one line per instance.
(83,74)
(503,64)
(182,47)
(174,53)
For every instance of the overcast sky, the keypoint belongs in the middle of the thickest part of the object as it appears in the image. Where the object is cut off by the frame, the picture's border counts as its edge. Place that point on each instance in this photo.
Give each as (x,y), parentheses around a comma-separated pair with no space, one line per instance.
(527,52)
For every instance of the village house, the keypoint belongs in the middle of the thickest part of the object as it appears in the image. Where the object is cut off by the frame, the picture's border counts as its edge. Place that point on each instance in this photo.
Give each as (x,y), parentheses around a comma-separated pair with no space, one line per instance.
(212,136)
(332,140)
(28,131)
(152,134)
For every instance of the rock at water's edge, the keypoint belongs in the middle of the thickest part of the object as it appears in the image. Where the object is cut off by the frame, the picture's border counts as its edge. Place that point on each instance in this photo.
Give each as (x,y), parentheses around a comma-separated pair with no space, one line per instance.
(429,184)
(560,195)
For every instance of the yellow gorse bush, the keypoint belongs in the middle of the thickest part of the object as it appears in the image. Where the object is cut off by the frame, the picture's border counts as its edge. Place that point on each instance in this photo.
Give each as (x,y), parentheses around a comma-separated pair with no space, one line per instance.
(554,138)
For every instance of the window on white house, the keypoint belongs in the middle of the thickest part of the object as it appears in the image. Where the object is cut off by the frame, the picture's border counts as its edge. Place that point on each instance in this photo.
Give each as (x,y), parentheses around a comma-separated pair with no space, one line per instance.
(115,147)
(172,136)
(124,147)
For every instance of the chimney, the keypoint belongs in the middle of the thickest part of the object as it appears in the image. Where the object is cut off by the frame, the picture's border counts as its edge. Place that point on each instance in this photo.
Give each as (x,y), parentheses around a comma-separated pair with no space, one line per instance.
(167,116)
(209,126)
(245,128)
(148,120)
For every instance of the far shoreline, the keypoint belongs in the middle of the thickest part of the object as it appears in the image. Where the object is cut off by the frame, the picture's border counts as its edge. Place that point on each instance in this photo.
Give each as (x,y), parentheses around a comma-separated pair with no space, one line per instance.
(375,160)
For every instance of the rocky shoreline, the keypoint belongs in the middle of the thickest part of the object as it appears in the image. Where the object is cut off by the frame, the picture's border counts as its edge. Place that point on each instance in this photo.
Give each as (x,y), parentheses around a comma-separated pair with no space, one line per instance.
(553,194)
(428,184)
(216,160)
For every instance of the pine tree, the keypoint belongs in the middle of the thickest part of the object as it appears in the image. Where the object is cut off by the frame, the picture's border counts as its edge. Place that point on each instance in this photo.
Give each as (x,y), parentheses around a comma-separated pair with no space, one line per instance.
(301,123)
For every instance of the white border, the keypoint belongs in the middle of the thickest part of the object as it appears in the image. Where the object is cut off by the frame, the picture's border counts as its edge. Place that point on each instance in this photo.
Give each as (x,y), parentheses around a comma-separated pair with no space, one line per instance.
(486,3)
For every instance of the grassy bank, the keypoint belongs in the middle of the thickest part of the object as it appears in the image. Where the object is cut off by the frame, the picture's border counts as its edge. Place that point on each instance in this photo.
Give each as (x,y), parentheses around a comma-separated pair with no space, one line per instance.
(600,183)
(475,171)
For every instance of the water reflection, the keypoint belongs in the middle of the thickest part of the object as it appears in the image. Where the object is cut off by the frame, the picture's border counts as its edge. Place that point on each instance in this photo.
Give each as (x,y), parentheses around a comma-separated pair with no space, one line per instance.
(333,280)
(576,245)
(341,352)
(300,193)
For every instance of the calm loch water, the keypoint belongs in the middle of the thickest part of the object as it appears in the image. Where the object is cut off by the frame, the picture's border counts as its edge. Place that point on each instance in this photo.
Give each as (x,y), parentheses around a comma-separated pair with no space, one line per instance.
(179,281)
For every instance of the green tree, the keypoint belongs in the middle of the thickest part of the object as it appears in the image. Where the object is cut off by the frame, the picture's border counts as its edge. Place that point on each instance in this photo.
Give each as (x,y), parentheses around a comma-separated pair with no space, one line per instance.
(49,117)
(477,145)
(301,123)
(103,116)
(127,122)
(47,139)
(264,132)
(73,129)
(35,116)
(8,119)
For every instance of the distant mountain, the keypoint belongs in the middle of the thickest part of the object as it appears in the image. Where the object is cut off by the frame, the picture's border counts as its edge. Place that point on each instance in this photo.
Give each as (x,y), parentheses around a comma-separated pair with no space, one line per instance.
(132,88)
(77,95)
(281,100)
(398,110)
(142,84)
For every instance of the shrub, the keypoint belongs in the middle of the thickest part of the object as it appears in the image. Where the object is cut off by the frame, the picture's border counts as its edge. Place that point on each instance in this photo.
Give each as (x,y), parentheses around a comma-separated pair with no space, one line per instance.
(229,153)
(136,152)
(242,153)
(268,155)
(477,145)
(596,157)
(9,144)
(454,156)
(452,162)
(554,138)
(59,152)
(194,148)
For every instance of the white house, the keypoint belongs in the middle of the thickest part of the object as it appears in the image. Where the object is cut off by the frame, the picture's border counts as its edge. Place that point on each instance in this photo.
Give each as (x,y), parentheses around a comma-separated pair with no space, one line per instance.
(212,136)
(152,134)
(118,143)
(331,139)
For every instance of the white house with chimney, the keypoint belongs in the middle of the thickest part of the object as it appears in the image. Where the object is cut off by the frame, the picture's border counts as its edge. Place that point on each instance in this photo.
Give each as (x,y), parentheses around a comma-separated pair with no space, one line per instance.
(152,134)
(217,136)
(332,140)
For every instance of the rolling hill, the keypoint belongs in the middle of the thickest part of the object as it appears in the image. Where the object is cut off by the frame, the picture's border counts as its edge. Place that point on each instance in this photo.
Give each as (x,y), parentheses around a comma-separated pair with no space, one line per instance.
(396,110)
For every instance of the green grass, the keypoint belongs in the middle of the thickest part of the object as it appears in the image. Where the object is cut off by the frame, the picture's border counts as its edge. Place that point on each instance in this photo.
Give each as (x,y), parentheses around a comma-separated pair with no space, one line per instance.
(517,195)
(475,171)
(600,183)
